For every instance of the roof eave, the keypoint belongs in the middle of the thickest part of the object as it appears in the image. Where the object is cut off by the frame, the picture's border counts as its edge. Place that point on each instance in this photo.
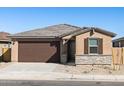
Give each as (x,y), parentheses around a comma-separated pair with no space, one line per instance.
(6,40)
(89,29)
(32,36)
(107,32)
(118,39)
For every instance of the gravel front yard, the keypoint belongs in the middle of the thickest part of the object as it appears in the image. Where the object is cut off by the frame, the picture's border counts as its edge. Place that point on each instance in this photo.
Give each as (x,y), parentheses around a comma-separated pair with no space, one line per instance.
(90,69)
(82,69)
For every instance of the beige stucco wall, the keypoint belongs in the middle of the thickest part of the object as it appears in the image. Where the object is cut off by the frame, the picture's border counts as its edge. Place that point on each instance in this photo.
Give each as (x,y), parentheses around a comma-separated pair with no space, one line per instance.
(107,42)
(14,52)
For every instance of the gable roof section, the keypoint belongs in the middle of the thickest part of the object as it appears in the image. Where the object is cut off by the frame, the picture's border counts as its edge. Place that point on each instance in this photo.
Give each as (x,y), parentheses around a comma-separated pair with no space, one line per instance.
(103,31)
(59,31)
(87,29)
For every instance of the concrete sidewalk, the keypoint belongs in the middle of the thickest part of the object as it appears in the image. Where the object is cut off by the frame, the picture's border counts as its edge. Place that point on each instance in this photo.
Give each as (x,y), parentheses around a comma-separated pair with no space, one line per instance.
(98,77)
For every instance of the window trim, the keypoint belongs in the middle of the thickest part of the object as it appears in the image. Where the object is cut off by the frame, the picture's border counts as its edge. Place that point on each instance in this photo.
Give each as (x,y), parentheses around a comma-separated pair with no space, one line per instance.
(93,46)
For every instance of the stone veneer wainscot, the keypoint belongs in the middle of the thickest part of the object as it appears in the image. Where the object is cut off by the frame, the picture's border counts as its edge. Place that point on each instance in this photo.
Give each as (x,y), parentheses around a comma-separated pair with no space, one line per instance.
(93,59)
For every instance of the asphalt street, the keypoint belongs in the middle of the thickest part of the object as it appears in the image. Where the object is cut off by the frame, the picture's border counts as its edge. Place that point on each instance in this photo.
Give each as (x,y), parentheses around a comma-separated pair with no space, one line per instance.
(58,83)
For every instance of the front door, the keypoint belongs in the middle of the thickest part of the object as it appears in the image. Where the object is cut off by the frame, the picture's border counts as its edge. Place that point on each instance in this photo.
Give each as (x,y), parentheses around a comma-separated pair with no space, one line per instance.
(71,51)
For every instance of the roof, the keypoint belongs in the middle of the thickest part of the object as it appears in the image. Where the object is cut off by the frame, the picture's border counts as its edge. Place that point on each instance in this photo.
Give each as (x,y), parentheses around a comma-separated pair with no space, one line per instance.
(3,36)
(59,31)
(102,31)
(50,31)
(118,39)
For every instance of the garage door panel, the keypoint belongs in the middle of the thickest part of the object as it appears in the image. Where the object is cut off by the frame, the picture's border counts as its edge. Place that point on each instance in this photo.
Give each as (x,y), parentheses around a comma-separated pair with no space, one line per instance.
(39,51)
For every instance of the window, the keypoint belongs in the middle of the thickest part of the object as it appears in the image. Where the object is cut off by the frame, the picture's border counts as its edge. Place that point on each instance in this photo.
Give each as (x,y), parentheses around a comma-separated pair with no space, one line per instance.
(93,46)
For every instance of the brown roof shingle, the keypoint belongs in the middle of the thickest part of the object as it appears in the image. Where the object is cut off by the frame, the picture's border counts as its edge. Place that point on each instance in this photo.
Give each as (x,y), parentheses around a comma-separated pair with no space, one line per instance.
(58,31)
(3,36)
(50,31)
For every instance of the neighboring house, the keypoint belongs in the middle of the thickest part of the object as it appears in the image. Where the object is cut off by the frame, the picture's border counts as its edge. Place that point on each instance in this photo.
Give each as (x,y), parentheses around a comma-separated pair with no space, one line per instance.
(63,43)
(118,42)
(5,43)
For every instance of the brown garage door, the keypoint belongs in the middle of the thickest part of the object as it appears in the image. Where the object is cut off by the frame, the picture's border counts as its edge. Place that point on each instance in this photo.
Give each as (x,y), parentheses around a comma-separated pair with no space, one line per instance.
(39,51)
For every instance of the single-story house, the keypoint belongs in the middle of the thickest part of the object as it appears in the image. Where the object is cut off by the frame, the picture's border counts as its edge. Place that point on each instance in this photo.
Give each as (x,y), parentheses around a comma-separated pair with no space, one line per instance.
(5,45)
(63,43)
(119,42)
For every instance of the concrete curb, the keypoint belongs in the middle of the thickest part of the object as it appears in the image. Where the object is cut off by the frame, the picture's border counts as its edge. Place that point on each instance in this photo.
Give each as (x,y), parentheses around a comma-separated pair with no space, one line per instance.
(60,76)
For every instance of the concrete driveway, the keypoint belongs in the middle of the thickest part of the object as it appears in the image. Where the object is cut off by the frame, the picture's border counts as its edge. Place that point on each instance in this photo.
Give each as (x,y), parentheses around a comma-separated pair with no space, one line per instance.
(31,71)
(29,68)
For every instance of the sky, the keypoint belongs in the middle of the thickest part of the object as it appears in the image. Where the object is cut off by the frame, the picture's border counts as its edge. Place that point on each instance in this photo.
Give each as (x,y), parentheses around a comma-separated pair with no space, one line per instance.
(14,20)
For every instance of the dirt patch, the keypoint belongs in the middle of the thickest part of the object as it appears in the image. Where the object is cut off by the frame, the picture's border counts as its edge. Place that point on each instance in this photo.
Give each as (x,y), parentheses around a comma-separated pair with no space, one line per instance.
(90,69)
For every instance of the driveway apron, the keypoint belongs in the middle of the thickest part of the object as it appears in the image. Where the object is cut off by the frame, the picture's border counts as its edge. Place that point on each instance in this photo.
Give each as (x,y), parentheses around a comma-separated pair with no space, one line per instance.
(29,68)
